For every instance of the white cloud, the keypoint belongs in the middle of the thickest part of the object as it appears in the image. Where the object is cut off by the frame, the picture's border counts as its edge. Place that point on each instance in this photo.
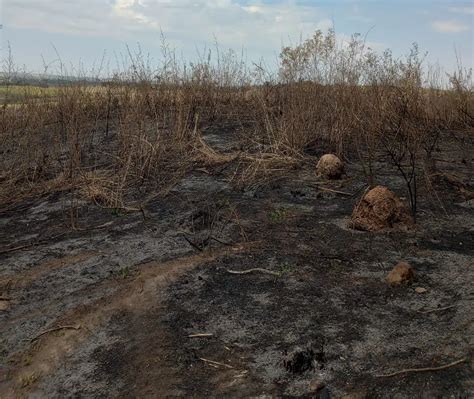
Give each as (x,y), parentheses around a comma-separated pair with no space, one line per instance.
(450,26)
(254,9)
(258,24)
(134,11)
(468,10)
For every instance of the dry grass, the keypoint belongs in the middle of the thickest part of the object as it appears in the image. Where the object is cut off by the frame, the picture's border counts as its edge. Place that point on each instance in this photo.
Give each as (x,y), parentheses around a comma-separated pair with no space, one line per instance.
(140,130)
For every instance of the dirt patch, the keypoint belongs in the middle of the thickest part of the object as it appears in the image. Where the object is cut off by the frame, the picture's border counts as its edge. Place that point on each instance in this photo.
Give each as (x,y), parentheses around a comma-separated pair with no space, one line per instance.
(50,349)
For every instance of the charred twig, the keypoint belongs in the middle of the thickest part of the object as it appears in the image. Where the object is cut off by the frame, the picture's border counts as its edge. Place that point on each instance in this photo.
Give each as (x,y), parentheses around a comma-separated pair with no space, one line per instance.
(424,369)
(195,246)
(142,210)
(322,256)
(31,244)
(7,250)
(336,191)
(221,242)
(127,209)
(257,269)
(55,329)
(202,335)
(101,226)
(297,231)
(436,310)
(213,362)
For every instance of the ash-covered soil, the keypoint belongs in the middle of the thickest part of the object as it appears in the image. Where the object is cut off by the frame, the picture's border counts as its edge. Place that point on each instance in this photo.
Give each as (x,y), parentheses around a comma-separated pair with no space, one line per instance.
(111,308)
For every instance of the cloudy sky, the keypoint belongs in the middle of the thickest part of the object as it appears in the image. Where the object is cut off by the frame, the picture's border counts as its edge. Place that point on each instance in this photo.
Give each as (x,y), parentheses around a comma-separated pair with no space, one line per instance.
(81,30)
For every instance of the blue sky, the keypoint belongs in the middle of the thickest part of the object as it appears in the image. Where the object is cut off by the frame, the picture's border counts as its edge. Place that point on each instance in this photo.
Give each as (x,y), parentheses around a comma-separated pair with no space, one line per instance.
(81,30)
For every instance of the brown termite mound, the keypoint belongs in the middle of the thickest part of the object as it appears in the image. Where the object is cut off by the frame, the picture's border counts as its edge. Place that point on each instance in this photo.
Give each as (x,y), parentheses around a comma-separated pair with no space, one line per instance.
(380,209)
(330,166)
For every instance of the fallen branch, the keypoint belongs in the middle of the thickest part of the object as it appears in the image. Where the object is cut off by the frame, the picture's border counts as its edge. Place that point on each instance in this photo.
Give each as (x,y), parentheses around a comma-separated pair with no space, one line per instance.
(213,362)
(101,226)
(31,244)
(195,246)
(257,269)
(336,191)
(421,370)
(7,250)
(203,335)
(436,310)
(220,241)
(55,329)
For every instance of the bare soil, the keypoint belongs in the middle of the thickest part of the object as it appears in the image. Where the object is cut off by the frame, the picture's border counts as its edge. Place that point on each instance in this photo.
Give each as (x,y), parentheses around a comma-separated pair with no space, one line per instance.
(125,291)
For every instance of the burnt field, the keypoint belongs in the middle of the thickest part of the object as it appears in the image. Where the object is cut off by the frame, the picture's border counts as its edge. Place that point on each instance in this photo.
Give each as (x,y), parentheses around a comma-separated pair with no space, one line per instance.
(127,290)
(208,230)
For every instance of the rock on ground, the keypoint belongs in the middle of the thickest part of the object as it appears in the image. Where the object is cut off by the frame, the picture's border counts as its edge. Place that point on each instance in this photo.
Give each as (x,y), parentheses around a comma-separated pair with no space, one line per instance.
(402,273)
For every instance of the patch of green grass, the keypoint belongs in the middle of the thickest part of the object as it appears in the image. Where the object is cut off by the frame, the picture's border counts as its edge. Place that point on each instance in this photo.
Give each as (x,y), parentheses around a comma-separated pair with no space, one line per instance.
(278,215)
(117,212)
(124,272)
(284,268)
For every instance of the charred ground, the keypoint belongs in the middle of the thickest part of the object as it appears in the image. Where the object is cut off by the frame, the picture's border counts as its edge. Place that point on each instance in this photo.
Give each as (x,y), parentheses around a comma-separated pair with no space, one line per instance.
(136,285)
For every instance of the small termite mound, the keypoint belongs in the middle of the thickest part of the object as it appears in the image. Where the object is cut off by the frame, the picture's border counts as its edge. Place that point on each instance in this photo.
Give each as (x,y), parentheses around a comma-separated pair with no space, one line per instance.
(330,167)
(380,209)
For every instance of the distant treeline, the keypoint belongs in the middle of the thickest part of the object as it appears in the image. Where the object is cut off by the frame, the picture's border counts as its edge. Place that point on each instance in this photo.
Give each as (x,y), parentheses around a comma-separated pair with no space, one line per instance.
(28,79)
